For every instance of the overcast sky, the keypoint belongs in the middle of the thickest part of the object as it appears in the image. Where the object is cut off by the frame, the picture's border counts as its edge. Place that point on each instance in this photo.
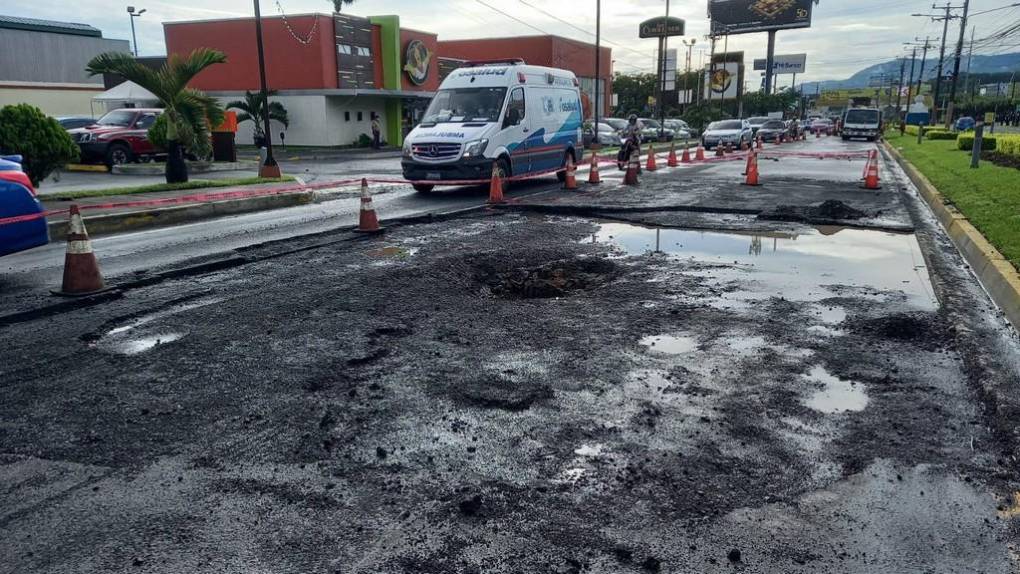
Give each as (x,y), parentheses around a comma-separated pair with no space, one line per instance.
(847,35)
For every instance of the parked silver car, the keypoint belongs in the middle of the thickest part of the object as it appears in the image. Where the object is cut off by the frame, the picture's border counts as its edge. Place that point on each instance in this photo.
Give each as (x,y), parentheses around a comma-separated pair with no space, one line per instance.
(727,132)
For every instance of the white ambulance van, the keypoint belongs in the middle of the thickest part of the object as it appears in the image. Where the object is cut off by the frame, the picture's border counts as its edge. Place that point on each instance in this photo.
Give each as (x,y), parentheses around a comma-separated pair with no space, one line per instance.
(503,114)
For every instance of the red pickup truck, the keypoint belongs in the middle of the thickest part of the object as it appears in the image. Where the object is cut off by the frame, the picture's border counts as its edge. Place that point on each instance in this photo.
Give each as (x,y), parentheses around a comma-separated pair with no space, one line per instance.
(119,137)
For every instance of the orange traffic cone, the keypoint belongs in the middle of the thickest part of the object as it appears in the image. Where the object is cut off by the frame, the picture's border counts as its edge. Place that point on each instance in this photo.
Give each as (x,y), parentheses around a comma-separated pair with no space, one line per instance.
(867,164)
(686,157)
(700,153)
(368,222)
(81,270)
(593,175)
(570,179)
(671,161)
(631,178)
(743,145)
(760,144)
(818,135)
(871,181)
(496,186)
(752,170)
(779,139)
(720,150)
(651,165)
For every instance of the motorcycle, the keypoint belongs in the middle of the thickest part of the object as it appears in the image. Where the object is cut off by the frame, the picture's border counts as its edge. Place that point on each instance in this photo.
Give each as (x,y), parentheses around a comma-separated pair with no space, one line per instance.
(631,146)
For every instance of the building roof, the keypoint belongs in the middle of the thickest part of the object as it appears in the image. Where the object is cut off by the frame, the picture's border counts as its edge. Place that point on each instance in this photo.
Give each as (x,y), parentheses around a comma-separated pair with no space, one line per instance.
(51,26)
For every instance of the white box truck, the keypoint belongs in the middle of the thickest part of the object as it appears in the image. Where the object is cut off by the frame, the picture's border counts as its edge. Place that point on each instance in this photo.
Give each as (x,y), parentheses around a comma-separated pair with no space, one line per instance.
(503,115)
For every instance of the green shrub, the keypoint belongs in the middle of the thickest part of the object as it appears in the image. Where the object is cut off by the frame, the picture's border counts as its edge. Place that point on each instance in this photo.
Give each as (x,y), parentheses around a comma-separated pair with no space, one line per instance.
(1008,145)
(965,142)
(912,130)
(363,141)
(199,146)
(939,135)
(44,145)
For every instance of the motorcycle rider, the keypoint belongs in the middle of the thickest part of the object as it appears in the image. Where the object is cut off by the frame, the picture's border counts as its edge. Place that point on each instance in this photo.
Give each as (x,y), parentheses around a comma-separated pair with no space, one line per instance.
(631,142)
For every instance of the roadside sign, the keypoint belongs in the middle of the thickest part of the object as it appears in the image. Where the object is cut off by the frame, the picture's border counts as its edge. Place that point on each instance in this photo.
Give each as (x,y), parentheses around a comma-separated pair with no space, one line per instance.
(989,117)
(786,64)
(747,16)
(662,27)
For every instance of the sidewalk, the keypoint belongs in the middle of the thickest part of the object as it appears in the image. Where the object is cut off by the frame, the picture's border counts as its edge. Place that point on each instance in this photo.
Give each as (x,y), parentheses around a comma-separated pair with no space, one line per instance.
(303,153)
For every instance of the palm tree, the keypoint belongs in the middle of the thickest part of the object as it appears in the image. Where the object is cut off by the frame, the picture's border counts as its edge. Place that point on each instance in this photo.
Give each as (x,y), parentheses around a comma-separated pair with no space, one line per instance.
(338,4)
(189,112)
(252,109)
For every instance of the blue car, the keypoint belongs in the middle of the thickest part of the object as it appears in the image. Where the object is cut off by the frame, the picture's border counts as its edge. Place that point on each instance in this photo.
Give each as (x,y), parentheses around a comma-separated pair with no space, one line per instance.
(965,124)
(17,199)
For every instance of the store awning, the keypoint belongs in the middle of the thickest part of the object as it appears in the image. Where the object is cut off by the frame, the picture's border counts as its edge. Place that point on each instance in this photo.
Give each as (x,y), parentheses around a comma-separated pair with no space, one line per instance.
(345,92)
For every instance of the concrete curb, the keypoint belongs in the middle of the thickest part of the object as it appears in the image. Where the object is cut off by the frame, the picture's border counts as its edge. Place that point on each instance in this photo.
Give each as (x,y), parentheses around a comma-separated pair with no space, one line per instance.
(193,167)
(998,276)
(111,223)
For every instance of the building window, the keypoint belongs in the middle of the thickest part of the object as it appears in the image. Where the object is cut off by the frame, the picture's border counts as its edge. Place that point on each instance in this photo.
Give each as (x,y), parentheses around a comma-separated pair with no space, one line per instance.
(363,51)
(343,49)
(360,117)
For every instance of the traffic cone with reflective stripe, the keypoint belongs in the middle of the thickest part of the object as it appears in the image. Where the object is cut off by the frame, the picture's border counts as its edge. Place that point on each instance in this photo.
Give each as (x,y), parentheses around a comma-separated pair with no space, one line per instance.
(720,150)
(368,222)
(779,139)
(671,161)
(593,175)
(631,177)
(699,154)
(570,181)
(818,135)
(760,144)
(871,181)
(81,270)
(867,164)
(686,157)
(743,145)
(752,170)
(496,186)
(651,165)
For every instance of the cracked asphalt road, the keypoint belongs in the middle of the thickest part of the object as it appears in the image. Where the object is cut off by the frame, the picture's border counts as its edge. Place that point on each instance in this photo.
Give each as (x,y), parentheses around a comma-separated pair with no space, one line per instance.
(525,391)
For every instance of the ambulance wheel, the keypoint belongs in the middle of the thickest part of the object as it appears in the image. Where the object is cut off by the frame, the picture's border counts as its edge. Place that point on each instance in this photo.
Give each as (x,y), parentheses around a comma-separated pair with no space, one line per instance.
(423,187)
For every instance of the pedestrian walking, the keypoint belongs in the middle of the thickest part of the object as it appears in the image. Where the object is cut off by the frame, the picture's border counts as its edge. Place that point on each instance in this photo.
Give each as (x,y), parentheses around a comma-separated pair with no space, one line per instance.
(376,144)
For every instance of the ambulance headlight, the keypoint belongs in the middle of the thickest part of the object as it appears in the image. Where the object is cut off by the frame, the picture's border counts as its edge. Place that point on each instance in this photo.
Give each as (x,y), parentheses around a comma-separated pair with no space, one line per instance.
(407,148)
(475,148)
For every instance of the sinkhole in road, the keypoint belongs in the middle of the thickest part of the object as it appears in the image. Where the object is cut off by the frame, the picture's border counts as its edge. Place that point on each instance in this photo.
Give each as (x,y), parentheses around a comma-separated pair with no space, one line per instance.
(806,266)
(554,279)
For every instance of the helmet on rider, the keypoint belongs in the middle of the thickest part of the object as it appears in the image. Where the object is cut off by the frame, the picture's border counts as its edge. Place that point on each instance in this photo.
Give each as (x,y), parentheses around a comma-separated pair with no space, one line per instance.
(632,119)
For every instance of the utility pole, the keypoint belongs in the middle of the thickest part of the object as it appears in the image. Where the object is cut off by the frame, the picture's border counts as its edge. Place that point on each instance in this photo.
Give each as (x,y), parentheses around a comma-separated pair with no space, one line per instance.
(899,88)
(910,84)
(770,61)
(959,53)
(924,60)
(662,86)
(598,66)
(270,168)
(942,53)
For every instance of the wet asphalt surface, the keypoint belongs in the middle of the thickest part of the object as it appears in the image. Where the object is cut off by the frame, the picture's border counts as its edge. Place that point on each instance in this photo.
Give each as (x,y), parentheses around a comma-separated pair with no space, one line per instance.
(557,386)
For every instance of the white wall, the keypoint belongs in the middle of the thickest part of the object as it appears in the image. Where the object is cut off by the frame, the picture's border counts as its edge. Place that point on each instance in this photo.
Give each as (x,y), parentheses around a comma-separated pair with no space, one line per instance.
(319,120)
(55,102)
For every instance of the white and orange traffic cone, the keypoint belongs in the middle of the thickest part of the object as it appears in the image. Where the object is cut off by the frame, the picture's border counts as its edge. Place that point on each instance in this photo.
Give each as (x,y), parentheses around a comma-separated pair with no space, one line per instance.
(496,186)
(759,144)
(593,176)
(779,140)
(752,170)
(743,145)
(672,161)
(699,154)
(871,180)
(631,177)
(867,164)
(570,179)
(81,270)
(368,222)
(686,157)
(650,165)
(720,150)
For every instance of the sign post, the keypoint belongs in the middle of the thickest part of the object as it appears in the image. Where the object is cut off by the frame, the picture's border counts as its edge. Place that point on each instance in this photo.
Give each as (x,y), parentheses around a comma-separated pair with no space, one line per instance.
(662,28)
(979,140)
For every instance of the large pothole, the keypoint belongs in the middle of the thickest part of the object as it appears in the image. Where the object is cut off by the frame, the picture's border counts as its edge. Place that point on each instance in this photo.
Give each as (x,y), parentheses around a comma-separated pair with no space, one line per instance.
(554,279)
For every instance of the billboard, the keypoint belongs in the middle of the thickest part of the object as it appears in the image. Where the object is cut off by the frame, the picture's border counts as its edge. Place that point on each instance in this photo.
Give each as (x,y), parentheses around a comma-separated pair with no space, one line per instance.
(787,64)
(722,81)
(747,16)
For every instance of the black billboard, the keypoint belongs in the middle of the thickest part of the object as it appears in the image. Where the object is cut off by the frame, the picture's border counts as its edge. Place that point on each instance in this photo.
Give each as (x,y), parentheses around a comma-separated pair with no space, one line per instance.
(746,16)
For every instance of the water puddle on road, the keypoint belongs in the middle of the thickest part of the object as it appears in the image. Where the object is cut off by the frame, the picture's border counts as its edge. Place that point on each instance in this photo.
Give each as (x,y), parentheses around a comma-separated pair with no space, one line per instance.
(837,395)
(794,266)
(137,346)
(670,345)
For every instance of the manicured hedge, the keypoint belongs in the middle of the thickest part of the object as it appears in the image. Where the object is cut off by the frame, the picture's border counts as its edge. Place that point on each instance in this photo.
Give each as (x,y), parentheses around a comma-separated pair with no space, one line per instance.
(966,142)
(1008,145)
(912,130)
(939,135)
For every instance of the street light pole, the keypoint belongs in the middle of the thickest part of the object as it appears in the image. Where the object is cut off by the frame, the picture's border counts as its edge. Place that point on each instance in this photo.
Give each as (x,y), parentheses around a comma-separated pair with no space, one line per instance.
(269,168)
(598,66)
(133,15)
(662,86)
(959,54)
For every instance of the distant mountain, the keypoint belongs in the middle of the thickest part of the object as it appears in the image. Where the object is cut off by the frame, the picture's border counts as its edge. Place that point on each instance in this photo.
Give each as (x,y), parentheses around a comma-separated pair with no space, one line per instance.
(1003,63)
